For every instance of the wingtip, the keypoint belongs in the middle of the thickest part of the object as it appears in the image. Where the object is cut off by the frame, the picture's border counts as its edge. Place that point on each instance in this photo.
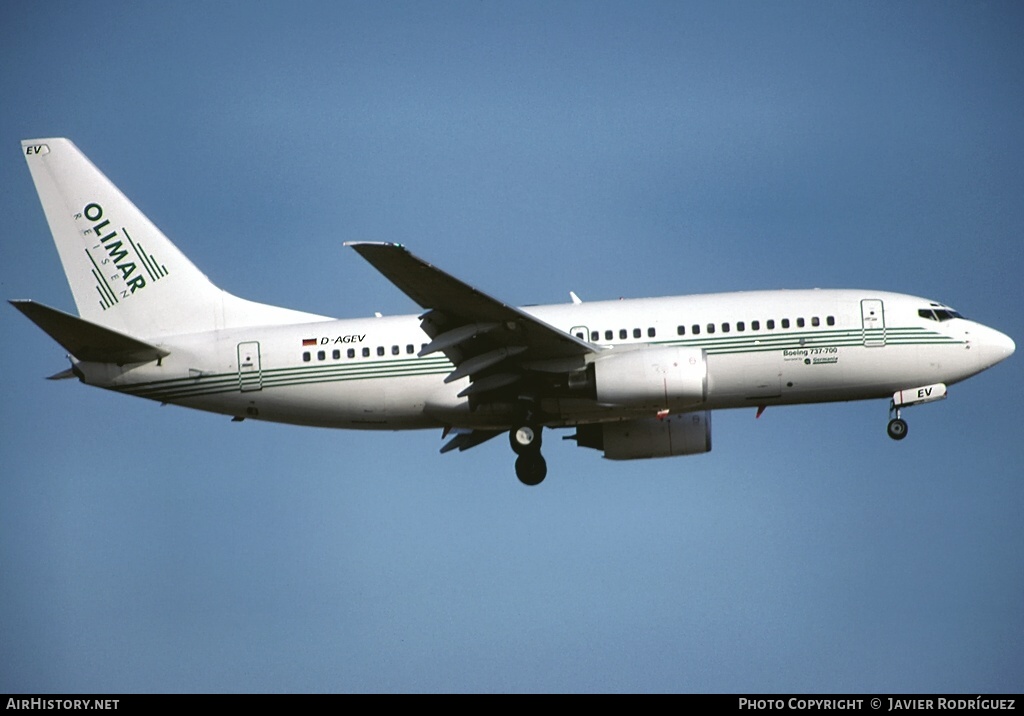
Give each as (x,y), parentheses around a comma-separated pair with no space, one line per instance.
(372,243)
(63,375)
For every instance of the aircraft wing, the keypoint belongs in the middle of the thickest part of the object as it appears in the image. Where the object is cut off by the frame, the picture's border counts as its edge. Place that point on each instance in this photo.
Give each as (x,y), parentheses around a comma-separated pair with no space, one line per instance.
(462,304)
(502,349)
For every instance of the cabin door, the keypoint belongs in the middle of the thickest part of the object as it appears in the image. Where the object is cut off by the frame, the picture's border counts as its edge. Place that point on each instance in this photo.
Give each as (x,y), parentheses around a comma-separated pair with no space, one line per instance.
(250,374)
(872,314)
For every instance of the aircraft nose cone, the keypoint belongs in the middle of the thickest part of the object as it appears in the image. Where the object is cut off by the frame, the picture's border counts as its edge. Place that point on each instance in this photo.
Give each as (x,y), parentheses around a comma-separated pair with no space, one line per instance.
(998,347)
(1005,345)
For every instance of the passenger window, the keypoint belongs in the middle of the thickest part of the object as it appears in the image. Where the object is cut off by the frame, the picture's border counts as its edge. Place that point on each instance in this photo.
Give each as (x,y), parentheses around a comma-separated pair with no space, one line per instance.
(579,334)
(305,356)
(395,350)
(637,333)
(770,324)
(608,335)
(351,352)
(755,325)
(380,350)
(831,320)
(622,333)
(785,323)
(409,349)
(366,353)
(336,354)
(725,328)
(680,330)
(815,321)
(741,326)
(711,328)
(320,355)
(696,329)
(650,333)
(595,336)
(800,323)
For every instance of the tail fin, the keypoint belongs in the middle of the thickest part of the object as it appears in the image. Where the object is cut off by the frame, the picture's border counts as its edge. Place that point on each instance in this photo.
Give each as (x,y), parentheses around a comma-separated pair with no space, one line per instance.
(124,273)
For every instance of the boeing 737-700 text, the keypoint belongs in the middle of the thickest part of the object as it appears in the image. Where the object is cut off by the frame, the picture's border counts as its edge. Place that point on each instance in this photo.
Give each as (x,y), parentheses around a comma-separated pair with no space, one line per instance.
(635,378)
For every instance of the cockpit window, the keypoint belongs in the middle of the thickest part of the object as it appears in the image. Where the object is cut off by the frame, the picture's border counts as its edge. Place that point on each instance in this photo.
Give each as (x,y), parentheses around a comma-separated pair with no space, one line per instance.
(938,314)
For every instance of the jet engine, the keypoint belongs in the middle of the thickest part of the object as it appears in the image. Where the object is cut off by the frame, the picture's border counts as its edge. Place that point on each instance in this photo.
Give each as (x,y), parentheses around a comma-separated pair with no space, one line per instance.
(668,378)
(680,434)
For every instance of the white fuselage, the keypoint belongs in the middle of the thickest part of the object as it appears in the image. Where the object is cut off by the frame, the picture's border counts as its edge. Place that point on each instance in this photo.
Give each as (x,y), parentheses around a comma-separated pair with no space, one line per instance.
(638,378)
(763,348)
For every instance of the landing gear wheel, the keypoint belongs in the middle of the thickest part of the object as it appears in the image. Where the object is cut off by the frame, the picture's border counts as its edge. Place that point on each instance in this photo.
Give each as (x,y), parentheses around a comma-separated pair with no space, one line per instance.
(524,439)
(897,428)
(531,469)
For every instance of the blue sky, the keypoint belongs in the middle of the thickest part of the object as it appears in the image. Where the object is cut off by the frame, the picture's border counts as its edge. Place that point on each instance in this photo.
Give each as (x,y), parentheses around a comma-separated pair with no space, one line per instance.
(611,149)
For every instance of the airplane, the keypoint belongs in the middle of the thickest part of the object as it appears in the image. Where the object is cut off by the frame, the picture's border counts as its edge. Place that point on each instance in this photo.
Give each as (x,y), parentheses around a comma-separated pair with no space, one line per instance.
(635,378)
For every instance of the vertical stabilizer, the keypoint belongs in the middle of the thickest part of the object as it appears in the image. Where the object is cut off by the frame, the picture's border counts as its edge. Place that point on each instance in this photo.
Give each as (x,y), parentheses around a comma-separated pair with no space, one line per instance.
(124,273)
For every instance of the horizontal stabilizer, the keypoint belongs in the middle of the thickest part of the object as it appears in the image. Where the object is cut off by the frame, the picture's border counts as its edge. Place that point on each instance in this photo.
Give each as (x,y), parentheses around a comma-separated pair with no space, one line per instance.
(87,341)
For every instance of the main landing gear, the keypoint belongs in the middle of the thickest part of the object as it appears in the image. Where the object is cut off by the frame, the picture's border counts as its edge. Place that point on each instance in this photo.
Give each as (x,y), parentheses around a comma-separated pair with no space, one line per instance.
(525,439)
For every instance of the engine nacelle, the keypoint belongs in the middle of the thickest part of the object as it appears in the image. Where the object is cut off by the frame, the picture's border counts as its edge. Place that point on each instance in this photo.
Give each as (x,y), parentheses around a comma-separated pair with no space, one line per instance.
(670,378)
(680,434)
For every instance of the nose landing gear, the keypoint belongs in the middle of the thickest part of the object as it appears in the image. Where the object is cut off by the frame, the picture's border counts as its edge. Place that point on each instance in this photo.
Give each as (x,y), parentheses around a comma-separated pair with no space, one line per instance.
(897,427)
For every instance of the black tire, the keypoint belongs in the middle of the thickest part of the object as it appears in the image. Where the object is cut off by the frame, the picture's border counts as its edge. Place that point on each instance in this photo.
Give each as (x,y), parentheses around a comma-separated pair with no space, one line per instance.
(897,428)
(531,469)
(516,435)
